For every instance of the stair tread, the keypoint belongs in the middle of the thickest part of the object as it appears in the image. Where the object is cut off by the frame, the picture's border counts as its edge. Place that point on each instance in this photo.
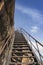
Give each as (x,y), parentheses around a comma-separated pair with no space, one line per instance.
(24,63)
(20,42)
(21,48)
(22,51)
(20,45)
(24,56)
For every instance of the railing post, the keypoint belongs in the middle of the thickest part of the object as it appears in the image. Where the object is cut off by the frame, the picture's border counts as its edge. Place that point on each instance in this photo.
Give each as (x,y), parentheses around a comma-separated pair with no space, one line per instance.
(39,52)
(30,42)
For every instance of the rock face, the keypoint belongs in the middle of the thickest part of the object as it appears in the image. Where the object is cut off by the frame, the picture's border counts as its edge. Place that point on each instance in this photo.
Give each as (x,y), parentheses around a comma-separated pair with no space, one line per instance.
(6,24)
(6,18)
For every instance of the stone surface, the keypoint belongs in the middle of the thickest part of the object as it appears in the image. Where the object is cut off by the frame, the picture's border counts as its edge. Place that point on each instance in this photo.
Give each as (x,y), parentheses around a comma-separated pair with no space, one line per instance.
(6,23)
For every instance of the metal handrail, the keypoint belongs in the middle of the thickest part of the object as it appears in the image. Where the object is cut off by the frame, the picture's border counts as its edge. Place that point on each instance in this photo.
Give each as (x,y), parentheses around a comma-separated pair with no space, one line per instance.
(37,42)
(31,36)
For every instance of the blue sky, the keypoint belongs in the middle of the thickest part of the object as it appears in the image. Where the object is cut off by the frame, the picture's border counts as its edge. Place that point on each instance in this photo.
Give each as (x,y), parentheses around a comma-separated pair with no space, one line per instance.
(29,15)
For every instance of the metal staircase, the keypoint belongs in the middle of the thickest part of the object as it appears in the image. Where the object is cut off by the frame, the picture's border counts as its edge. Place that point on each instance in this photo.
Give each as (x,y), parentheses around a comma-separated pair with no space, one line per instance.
(18,51)
(21,52)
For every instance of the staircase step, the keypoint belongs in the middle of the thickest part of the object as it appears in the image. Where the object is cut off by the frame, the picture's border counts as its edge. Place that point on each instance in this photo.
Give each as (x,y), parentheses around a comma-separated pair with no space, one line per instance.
(22,56)
(26,63)
(20,45)
(20,48)
(22,51)
(20,42)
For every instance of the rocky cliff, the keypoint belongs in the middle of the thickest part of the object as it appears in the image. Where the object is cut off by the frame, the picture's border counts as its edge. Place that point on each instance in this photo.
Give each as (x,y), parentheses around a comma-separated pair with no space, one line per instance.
(6,26)
(6,18)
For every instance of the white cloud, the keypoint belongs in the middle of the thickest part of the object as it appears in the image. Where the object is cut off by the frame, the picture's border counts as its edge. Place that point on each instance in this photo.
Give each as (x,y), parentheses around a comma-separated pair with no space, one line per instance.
(34,29)
(35,15)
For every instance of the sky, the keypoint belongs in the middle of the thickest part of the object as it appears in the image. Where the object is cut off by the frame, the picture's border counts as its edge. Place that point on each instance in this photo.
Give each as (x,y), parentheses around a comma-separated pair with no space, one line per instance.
(29,15)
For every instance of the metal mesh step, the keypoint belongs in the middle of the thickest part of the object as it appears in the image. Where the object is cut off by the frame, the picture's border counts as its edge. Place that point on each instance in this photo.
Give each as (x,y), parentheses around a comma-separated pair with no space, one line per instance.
(21,53)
